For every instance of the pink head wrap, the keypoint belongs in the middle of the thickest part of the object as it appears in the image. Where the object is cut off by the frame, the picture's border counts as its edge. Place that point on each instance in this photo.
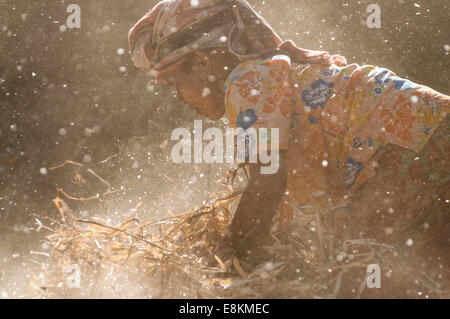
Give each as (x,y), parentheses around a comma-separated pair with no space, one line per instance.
(173,29)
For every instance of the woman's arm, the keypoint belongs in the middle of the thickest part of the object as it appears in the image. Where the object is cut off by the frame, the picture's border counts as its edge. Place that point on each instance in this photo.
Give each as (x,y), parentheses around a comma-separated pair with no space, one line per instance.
(257,97)
(259,202)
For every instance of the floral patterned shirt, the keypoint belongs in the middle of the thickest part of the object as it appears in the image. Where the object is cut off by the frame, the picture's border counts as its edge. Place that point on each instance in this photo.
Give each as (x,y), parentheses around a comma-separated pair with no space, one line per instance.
(334,122)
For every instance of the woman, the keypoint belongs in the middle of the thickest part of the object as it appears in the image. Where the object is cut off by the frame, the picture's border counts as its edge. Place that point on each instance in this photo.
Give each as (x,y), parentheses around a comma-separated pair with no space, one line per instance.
(336,121)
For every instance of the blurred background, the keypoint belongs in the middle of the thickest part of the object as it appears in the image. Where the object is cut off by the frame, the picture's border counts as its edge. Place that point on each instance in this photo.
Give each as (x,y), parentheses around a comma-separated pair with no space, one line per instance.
(74,95)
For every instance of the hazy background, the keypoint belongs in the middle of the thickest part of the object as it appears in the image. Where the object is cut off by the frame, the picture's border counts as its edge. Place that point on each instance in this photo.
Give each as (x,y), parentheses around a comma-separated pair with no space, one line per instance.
(69,94)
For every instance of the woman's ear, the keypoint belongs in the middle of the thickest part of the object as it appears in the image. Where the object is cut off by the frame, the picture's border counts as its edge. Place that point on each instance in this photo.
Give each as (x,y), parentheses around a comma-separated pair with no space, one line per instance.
(202,61)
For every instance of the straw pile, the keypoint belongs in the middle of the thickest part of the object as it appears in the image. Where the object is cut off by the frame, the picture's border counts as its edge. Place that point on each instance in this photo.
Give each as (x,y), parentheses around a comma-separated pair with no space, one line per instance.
(165,259)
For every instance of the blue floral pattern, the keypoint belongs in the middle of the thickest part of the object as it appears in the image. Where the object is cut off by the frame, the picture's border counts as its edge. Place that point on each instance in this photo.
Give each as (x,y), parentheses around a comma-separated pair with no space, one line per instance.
(318,94)
(400,84)
(353,168)
(328,72)
(426,130)
(245,120)
(357,142)
(377,90)
(313,120)
(383,76)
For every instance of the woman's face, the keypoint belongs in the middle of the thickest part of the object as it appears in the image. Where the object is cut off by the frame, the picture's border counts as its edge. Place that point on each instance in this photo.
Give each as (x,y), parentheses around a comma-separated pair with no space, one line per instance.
(199,85)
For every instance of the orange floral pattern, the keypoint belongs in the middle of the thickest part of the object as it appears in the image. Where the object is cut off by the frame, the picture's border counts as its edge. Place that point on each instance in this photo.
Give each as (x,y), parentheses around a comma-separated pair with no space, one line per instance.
(400,120)
(248,87)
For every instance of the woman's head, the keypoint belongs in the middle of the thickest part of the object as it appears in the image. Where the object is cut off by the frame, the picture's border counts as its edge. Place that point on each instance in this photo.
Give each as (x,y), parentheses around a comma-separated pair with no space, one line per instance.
(191,42)
(200,81)
(194,45)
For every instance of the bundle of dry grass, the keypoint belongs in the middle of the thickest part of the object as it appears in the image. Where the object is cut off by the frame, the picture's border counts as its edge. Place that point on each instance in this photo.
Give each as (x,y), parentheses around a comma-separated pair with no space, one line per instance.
(165,259)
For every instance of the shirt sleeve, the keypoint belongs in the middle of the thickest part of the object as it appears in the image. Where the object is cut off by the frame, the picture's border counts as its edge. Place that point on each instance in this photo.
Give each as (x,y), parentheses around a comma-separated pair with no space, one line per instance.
(400,112)
(387,109)
(258,95)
